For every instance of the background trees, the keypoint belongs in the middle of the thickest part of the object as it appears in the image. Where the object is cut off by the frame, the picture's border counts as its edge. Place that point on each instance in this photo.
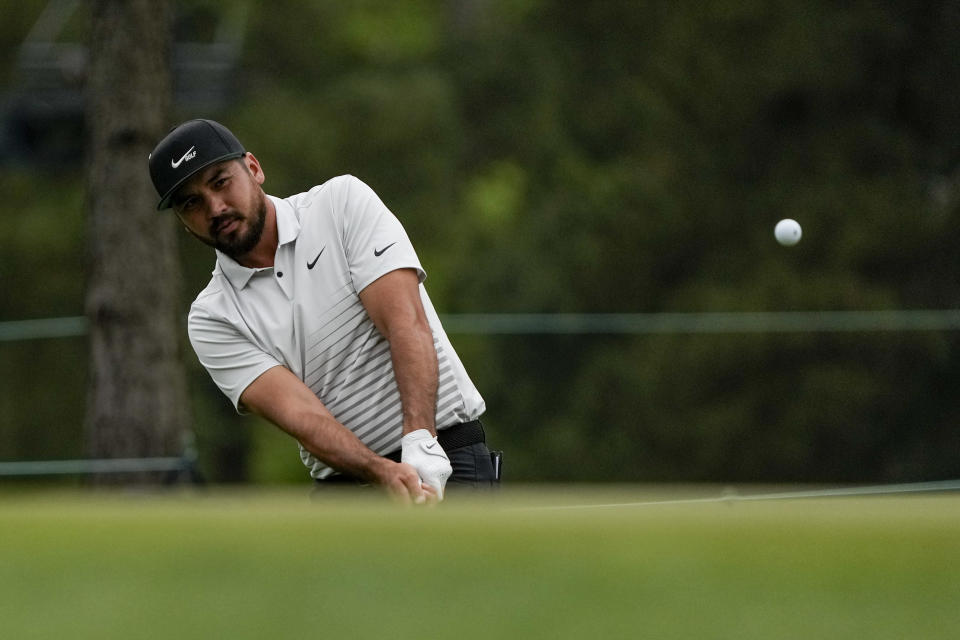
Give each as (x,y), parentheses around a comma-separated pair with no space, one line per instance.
(137,404)
(603,157)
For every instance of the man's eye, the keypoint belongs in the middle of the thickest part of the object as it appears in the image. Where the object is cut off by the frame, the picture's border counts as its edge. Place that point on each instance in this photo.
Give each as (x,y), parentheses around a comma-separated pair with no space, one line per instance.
(222,181)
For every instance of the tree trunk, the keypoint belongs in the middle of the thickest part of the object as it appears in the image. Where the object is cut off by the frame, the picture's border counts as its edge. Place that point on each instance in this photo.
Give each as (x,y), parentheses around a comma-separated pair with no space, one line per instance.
(137,402)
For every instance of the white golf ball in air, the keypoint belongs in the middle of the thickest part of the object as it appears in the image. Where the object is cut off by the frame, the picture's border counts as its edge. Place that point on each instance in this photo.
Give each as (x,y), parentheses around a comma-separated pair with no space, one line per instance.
(787,232)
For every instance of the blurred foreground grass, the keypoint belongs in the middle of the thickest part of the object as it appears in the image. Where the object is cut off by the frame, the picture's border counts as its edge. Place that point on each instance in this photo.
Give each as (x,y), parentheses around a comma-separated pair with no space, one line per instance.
(255,564)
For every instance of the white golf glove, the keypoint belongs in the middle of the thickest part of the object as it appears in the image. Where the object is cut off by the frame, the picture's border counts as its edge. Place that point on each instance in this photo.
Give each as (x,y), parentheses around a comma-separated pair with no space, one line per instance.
(422,451)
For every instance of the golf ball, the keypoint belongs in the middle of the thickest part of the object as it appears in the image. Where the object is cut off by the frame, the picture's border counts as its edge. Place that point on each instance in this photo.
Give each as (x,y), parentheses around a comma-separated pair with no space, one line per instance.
(787,232)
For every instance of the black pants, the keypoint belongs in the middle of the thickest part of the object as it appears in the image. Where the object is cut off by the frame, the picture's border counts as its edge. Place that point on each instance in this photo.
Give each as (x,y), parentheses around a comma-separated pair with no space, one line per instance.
(474,466)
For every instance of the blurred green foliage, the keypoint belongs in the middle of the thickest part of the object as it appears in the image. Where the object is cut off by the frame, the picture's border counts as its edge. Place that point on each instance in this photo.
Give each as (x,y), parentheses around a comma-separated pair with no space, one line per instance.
(599,156)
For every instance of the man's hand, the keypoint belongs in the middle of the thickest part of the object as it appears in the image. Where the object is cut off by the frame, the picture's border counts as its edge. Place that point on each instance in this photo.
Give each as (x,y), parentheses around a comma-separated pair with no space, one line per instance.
(422,451)
(403,484)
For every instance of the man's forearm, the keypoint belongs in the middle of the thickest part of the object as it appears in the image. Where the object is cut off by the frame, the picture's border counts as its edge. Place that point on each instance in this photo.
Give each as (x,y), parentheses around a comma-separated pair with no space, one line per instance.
(394,304)
(284,400)
(338,447)
(416,370)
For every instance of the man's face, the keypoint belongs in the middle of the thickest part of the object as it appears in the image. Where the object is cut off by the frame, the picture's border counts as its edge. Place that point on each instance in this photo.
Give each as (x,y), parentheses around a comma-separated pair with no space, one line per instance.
(223,205)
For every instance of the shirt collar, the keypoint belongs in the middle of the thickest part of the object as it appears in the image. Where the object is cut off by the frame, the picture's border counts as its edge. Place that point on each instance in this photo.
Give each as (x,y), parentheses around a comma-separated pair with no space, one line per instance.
(288,228)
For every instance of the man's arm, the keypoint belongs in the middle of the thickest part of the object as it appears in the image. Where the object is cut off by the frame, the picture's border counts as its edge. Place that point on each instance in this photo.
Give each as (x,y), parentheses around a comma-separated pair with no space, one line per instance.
(282,398)
(393,303)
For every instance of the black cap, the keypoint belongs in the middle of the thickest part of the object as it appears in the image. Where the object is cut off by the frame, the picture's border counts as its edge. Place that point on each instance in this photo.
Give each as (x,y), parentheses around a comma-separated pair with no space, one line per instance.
(188,148)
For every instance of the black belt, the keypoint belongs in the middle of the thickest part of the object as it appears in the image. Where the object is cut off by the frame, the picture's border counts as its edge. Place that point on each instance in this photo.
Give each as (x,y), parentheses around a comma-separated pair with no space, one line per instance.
(461,435)
(453,437)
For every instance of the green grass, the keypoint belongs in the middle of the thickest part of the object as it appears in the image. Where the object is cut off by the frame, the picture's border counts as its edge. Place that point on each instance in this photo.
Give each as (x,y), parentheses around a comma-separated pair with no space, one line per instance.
(268,564)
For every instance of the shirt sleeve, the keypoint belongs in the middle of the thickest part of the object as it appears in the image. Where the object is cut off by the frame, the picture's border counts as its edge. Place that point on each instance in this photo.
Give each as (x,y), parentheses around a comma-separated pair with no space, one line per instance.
(374,240)
(232,359)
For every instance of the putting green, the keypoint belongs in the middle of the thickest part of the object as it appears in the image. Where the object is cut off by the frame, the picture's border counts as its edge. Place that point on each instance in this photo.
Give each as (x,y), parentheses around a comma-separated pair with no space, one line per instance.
(261,564)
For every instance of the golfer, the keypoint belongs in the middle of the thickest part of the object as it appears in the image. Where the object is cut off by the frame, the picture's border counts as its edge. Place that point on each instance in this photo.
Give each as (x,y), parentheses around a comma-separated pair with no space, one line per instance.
(316,318)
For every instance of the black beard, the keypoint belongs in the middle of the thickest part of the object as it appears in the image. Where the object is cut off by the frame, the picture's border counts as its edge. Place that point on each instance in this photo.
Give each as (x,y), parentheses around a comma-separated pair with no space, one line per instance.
(240,245)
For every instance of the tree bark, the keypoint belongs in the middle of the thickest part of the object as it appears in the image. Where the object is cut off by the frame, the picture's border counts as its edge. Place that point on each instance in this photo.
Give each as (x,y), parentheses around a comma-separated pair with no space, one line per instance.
(137,402)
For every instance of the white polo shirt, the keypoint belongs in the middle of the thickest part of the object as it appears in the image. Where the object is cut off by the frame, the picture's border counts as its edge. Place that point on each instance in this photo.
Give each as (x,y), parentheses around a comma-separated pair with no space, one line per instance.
(305,313)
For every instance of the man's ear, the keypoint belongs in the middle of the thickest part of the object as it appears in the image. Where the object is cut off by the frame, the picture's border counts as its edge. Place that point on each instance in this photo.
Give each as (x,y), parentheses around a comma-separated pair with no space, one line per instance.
(253,166)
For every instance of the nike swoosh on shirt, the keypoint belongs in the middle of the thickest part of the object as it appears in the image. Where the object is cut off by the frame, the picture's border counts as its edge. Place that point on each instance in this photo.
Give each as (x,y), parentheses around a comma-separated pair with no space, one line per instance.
(311,265)
(379,252)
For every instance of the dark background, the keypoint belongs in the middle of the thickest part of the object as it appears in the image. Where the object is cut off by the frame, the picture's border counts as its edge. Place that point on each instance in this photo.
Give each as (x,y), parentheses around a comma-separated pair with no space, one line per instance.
(550,157)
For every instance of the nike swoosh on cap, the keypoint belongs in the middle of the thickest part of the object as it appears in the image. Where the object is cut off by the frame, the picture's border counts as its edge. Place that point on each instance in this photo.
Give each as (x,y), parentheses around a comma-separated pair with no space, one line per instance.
(187,156)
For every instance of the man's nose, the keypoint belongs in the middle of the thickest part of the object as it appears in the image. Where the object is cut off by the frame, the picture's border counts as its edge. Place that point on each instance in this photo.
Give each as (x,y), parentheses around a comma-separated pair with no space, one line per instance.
(216,205)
